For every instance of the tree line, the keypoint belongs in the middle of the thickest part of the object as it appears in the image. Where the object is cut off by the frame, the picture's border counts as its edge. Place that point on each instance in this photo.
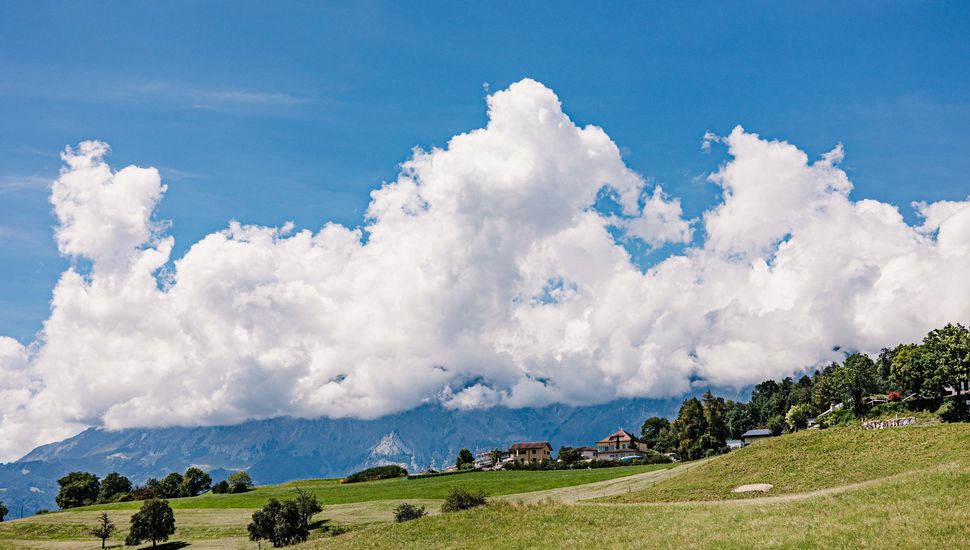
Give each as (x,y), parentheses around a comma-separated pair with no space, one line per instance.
(85,489)
(906,377)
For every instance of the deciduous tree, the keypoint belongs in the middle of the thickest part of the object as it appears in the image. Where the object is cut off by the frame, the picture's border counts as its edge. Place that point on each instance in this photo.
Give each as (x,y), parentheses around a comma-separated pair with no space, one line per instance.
(113,485)
(155,521)
(77,489)
(195,481)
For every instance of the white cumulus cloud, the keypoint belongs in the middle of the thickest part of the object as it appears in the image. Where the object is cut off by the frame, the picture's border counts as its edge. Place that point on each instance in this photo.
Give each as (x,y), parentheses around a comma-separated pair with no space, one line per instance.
(483,276)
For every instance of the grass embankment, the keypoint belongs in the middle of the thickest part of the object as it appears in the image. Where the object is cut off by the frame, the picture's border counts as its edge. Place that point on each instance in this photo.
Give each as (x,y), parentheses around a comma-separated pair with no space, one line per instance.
(812,460)
(923,509)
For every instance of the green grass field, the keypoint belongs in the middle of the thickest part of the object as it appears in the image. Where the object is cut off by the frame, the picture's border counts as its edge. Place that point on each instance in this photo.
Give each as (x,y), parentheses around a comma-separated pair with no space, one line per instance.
(810,460)
(925,509)
(331,491)
(844,488)
(210,518)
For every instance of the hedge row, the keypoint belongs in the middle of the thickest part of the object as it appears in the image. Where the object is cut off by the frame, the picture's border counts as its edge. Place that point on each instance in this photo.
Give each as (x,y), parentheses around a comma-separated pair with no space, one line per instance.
(375,473)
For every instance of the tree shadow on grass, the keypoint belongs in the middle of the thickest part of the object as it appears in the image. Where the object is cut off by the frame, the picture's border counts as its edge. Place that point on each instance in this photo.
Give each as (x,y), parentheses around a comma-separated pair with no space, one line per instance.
(173,545)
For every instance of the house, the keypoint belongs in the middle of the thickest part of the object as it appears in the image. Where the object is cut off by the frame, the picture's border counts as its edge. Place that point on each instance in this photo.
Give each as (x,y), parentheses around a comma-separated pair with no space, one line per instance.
(751,436)
(734,444)
(531,451)
(588,453)
(618,445)
(485,459)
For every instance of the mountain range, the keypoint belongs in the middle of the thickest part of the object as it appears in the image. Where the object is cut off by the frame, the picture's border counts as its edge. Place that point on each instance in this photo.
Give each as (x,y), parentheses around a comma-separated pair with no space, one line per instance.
(286,449)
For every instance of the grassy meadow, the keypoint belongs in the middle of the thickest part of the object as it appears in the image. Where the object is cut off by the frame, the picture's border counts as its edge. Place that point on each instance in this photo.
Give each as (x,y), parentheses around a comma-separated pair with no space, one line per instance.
(925,509)
(331,491)
(220,520)
(811,460)
(845,488)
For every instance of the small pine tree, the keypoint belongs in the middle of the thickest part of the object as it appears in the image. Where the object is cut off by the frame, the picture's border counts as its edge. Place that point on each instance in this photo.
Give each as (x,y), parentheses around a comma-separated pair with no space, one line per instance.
(104,528)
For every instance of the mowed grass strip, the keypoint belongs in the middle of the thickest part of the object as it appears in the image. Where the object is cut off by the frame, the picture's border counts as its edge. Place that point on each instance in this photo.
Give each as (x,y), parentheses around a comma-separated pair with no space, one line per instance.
(331,491)
(76,525)
(924,509)
(814,459)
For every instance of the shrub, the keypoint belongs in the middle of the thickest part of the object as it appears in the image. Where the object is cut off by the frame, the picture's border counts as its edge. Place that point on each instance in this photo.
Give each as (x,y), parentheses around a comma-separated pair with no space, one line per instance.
(893,396)
(377,472)
(278,522)
(407,512)
(953,409)
(841,417)
(221,488)
(461,499)
(776,424)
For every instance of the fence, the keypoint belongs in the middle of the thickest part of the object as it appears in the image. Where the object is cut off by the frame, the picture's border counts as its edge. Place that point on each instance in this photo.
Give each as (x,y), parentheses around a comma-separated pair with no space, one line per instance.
(891,423)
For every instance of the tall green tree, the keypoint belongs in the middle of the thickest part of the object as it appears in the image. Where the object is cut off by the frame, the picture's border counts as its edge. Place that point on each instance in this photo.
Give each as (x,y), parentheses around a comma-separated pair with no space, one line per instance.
(104,528)
(195,481)
(652,428)
(691,427)
(77,489)
(155,521)
(568,455)
(948,351)
(240,482)
(464,457)
(857,379)
(112,486)
(171,486)
(825,392)
(717,429)
(797,417)
(738,418)
(911,371)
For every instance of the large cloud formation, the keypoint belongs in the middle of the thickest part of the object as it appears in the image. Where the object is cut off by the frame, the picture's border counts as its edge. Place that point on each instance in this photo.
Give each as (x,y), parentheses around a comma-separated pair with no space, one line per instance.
(484,275)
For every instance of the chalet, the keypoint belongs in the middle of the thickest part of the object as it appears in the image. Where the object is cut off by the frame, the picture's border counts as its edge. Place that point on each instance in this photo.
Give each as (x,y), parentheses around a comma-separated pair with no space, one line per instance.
(734,444)
(588,453)
(619,445)
(531,451)
(751,436)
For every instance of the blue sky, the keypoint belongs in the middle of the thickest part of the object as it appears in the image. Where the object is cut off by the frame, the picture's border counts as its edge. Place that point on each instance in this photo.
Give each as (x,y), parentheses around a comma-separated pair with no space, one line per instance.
(268,113)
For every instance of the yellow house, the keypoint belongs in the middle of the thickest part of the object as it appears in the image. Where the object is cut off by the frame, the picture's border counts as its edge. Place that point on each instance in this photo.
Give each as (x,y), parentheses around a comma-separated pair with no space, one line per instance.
(531,451)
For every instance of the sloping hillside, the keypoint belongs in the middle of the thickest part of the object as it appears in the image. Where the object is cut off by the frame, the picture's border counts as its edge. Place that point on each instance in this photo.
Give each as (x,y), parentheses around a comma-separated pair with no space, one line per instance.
(811,460)
(918,510)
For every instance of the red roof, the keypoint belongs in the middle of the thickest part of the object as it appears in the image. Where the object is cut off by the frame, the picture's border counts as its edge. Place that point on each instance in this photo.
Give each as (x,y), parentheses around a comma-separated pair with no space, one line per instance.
(618,436)
(530,445)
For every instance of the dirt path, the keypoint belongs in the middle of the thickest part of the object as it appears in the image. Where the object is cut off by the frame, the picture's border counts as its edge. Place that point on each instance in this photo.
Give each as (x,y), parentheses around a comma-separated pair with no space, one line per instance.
(607,488)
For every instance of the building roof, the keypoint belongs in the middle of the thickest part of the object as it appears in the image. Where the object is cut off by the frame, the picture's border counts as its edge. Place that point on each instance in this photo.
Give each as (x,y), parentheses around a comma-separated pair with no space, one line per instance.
(587,448)
(530,445)
(756,433)
(728,442)
(619,435)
